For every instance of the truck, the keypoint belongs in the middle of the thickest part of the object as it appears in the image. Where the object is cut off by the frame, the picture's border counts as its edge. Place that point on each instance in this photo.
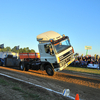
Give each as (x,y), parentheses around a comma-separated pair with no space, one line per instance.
(56,53)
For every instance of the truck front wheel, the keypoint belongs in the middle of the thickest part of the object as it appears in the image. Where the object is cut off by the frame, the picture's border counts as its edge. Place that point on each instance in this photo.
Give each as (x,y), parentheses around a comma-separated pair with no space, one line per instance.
(49,70)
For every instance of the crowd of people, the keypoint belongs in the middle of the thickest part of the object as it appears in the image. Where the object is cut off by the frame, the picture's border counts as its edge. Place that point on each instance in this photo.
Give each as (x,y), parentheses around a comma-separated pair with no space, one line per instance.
(84,61)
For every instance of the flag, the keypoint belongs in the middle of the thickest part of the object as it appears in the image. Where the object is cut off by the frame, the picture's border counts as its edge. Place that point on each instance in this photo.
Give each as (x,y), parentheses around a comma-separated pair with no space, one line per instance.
(17,47)
(2,46)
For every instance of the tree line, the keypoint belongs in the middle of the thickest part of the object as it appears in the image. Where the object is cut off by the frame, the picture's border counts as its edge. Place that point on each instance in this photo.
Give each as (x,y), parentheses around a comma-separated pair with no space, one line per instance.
(20,50)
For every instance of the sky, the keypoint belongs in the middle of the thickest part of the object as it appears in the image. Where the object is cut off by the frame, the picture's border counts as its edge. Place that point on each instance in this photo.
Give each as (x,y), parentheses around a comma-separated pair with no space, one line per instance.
(22,20)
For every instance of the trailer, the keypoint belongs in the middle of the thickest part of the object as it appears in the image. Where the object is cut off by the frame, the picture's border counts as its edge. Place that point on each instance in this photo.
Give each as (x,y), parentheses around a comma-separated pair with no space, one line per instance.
(55,52)
(27,59)
(28,56)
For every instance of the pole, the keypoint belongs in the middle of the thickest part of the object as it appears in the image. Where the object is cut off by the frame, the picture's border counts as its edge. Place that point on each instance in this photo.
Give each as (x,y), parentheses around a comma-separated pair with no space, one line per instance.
(86,52)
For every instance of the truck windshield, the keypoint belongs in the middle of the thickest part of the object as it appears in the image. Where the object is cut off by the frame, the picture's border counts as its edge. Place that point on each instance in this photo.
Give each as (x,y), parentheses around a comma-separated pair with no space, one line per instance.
(60,46)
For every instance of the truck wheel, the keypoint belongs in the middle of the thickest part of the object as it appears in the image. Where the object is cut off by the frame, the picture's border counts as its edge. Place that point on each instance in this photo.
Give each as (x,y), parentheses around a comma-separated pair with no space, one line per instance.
(49,70)
(24,66)
(0,63)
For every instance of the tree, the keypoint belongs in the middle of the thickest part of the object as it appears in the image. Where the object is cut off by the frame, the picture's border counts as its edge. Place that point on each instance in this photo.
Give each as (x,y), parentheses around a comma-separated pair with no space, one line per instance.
(32,51)
(8,49)
(5,49)
(21,50)
(14,50)
(24,50)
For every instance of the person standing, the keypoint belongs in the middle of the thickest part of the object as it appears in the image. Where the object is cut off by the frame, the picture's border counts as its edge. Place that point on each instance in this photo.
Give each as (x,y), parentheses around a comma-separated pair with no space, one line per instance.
(99,63)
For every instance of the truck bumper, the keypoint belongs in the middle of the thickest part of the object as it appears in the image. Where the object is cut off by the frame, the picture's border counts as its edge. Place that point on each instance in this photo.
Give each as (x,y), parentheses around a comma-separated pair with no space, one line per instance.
(63,67)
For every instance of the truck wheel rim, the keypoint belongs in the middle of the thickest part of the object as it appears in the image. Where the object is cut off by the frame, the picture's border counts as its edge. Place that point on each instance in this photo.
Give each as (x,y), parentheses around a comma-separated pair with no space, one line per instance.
(21,67)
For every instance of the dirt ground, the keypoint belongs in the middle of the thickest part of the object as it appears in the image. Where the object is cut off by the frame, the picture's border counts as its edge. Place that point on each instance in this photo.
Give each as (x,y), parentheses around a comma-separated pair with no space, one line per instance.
(14,90)
(88,88)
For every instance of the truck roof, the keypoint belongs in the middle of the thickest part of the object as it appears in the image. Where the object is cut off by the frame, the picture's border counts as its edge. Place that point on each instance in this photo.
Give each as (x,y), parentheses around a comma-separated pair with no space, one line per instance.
(48,35)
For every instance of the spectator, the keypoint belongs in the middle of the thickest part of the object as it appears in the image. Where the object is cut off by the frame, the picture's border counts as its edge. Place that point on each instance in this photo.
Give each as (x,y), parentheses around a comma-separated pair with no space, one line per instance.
(82,63)
(99,64)
(88,61)
(85,62)
(76,62)
(93,62)
(97,61)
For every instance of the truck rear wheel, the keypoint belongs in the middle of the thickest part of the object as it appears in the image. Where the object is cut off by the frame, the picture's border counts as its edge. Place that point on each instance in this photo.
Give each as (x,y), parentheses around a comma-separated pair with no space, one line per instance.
(1,63)
(49,70)
(24,66)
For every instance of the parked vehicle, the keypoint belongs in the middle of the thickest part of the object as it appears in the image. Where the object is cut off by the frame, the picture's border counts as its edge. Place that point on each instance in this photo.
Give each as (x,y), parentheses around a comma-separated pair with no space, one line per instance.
(1,62)
(93,66)
(9,59)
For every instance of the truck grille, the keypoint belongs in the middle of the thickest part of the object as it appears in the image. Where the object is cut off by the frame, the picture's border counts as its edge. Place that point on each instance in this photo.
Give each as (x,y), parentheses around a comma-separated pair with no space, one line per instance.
(66,55)
(66,58)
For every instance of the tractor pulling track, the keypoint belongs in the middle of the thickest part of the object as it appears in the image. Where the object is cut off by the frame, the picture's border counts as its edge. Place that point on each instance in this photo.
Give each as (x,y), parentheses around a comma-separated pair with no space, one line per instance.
(88,87)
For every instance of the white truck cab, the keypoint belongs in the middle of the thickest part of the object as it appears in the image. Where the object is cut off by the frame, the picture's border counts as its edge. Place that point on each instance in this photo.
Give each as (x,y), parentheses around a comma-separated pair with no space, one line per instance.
(56,52)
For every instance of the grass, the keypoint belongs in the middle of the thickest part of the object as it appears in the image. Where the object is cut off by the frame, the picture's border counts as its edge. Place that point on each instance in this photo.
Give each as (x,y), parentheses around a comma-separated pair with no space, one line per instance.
(3,82)
(84,70)
(26,94)
(16,87)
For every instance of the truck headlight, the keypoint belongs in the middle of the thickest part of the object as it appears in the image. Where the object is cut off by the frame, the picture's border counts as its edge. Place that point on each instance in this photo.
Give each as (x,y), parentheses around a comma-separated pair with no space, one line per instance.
(58,59)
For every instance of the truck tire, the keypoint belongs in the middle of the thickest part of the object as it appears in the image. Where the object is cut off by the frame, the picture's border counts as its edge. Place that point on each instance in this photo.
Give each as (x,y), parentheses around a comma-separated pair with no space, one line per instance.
(24,66)
(27,67)
(1,63)
(49,70)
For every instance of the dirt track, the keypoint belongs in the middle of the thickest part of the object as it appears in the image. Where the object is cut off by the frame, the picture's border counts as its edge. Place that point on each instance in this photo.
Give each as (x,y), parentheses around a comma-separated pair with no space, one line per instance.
(88,88)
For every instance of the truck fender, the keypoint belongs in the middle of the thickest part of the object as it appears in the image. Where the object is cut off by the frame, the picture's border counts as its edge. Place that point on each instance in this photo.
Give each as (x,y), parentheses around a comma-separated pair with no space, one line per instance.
(44,64)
